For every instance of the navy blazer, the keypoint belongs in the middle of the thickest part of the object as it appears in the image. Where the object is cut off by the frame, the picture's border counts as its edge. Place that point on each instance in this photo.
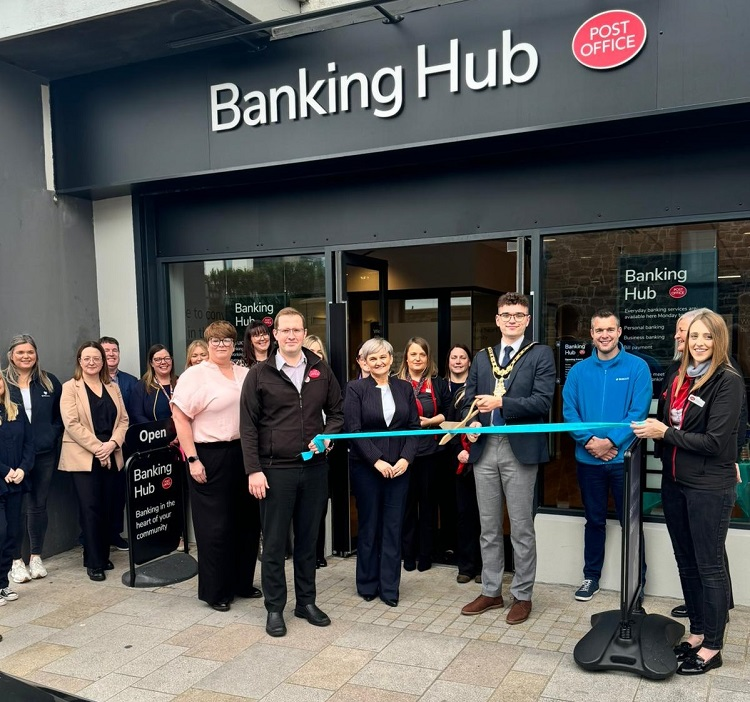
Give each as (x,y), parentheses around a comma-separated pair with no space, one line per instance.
(528,399)
(46,422)
(16,450)
(126,383)
(363,411)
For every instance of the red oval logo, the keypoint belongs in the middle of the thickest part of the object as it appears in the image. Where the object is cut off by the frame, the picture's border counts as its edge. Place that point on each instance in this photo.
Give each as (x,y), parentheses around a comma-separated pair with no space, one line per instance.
(314,373)
(609,39)
(677,291)
(268,321)
(166,483)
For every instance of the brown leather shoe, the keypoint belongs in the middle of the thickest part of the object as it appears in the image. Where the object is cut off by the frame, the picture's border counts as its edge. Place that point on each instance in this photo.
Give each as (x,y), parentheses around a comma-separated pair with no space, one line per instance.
(519,612)
(483,604)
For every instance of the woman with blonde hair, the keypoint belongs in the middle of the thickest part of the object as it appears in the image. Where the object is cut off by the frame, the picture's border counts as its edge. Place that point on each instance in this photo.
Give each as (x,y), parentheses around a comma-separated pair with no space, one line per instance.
(697,437)
(196,352)
(151,396)
(95,420)
(37,392)
(16,462)
(432,398)
(316,345)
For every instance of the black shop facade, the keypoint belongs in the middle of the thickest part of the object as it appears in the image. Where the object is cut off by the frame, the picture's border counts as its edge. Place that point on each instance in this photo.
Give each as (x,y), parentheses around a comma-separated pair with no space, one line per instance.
(395,179)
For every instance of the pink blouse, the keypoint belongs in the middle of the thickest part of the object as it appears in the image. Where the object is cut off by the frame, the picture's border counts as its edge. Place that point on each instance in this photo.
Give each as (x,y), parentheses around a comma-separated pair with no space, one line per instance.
(211,401)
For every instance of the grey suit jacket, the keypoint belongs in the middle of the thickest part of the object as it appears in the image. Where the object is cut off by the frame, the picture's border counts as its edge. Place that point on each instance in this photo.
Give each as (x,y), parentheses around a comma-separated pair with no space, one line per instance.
(527,401)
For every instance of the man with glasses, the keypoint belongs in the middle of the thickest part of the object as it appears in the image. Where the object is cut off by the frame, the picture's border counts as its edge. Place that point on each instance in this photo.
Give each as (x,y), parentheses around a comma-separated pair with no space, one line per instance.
(611,385)
(285,403)
(511,383)
(126,383)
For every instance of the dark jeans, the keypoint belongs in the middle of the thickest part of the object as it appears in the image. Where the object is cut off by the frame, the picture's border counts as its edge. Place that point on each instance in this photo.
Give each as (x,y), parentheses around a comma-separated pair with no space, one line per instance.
(10,531)
(381,503)
(596,482)
(296,496)
(698,521)
(35,502)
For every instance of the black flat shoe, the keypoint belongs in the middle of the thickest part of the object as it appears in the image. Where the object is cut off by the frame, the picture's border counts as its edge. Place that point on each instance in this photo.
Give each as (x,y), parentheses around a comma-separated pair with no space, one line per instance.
(424,564)
(96,574)
(685,650)
(275,624)
(321,563)
(368,598)
(221,606)
(680,611)
(695,665)
(313,615)
(389,602)
(409,564)
(252,594)
(109,566)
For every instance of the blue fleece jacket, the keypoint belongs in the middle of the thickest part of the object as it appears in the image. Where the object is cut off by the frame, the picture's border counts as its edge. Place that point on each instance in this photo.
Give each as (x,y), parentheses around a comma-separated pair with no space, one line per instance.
(618,390)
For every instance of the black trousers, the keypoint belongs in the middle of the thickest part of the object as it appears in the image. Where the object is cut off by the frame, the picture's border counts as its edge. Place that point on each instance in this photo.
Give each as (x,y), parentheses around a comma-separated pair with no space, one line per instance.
(10,531)
(96,491)
(227,524)
(420,520)
(297,496)
(468,553)
(35,503)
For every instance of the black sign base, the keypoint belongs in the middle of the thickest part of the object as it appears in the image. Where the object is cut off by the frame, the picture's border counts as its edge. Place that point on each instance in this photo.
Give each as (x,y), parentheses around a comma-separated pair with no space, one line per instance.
(169,570)
(642,644)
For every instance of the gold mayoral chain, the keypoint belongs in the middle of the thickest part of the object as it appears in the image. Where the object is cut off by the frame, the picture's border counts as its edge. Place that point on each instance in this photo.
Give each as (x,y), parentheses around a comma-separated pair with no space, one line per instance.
(502,373)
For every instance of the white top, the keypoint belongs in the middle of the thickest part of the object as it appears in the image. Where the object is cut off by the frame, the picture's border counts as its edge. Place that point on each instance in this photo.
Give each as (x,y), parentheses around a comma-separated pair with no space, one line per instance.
(211,401)
(389,405)
(26,395)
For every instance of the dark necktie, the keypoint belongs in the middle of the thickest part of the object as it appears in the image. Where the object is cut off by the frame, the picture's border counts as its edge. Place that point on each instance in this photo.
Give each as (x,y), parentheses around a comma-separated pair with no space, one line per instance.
(497,419)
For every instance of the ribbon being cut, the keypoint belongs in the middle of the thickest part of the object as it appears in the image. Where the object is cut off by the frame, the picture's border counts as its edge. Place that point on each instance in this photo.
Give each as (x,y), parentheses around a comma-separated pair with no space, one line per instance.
(504,429)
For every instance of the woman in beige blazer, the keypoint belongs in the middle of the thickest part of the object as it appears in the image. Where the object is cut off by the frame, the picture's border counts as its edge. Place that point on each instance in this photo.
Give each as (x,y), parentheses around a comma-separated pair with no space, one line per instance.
(95,422)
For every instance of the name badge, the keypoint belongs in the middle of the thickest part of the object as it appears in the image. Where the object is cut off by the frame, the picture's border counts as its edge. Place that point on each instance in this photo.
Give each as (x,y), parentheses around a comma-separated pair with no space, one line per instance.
(696,400)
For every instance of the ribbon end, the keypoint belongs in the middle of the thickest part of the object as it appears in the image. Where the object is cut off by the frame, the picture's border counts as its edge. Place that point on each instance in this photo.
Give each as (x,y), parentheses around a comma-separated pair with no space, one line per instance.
(307,455)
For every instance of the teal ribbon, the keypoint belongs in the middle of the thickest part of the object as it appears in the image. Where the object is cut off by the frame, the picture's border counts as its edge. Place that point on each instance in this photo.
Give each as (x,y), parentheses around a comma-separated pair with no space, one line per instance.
(504,429)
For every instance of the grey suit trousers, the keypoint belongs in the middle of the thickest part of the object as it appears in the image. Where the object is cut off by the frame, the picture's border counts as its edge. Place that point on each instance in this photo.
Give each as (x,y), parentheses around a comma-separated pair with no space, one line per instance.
(499,475)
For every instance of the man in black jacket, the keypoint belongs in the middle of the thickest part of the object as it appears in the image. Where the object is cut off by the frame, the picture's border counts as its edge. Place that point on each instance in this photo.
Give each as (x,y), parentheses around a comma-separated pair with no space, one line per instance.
(285,402)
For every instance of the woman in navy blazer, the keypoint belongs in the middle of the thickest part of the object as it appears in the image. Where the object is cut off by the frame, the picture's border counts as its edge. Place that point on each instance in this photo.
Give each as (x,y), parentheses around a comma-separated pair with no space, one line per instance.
(379,469)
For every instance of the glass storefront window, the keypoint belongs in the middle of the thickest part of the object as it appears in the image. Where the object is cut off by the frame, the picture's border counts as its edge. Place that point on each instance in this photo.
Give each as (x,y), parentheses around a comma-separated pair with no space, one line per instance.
(240,291)
(650,276)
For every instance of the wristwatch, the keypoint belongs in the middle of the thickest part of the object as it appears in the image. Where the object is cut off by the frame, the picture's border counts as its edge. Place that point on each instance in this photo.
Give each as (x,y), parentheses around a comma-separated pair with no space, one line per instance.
(192,459)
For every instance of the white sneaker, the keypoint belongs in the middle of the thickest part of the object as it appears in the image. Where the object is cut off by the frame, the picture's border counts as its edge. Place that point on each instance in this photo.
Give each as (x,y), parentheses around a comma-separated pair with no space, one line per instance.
(36,568)
(8,595)
(2,602)
(19,573)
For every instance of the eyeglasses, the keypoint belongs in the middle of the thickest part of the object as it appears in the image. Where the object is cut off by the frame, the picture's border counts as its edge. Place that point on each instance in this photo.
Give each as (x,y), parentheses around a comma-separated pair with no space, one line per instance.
(518,316)
(287,332)
(221,342)
(259,335)
(163,360)
(91,360)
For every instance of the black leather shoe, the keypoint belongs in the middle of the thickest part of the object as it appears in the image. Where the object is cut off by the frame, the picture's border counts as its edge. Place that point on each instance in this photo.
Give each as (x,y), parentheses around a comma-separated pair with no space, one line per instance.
(409,564)
(685,650)
(109,565)
(275,624)
(368,598)
(96,574)
(253,594)
(424,564)
(680,611)
(221,606)
(389,602)
(695,665)
(313,615)
(321,563)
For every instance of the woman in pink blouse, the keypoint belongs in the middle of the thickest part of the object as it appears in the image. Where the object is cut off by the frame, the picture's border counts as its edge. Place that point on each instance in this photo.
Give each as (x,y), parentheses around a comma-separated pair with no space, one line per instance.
(206,412)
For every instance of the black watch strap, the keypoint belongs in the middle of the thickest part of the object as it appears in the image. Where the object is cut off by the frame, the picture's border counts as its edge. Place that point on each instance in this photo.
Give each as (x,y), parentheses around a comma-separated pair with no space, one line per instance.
(192,459)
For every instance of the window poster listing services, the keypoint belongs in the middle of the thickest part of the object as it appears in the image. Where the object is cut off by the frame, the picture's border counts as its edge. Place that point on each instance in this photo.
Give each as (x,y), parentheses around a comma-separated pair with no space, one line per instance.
(655,290)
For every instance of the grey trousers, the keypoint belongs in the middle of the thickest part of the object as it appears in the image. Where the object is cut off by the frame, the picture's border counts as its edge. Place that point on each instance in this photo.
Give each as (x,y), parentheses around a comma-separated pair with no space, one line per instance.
(498,474)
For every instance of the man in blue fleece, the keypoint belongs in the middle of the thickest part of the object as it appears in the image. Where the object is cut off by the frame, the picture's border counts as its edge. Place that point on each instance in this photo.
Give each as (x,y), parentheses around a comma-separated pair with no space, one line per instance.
(611,385)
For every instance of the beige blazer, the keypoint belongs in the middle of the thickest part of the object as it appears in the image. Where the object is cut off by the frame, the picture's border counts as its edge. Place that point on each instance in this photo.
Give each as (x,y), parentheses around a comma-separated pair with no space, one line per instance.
(79,441)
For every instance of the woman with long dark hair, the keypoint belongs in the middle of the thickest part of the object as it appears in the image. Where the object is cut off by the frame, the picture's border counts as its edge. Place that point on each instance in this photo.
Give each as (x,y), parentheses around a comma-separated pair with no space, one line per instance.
(37,392)
(256,343)
(151,396)
(697,437)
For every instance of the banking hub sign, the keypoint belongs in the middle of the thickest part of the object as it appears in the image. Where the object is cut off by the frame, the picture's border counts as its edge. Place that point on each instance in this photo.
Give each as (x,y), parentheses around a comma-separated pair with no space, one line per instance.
(605,41)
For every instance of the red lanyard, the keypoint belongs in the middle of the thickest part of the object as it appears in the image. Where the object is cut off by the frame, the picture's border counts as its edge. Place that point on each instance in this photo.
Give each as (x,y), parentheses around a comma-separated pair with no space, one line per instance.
(424,386)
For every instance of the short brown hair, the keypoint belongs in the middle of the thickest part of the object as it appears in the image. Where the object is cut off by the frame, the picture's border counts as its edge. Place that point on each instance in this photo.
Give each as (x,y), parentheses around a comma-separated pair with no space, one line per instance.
(513,298)
(288,312)
(220,330)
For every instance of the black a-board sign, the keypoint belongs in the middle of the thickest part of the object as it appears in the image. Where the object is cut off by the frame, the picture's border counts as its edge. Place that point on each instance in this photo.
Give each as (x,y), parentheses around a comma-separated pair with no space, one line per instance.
(157,499)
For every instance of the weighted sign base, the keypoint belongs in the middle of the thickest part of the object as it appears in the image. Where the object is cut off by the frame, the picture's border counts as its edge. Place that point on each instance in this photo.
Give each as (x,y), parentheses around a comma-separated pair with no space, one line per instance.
(169,570)
(643,644)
